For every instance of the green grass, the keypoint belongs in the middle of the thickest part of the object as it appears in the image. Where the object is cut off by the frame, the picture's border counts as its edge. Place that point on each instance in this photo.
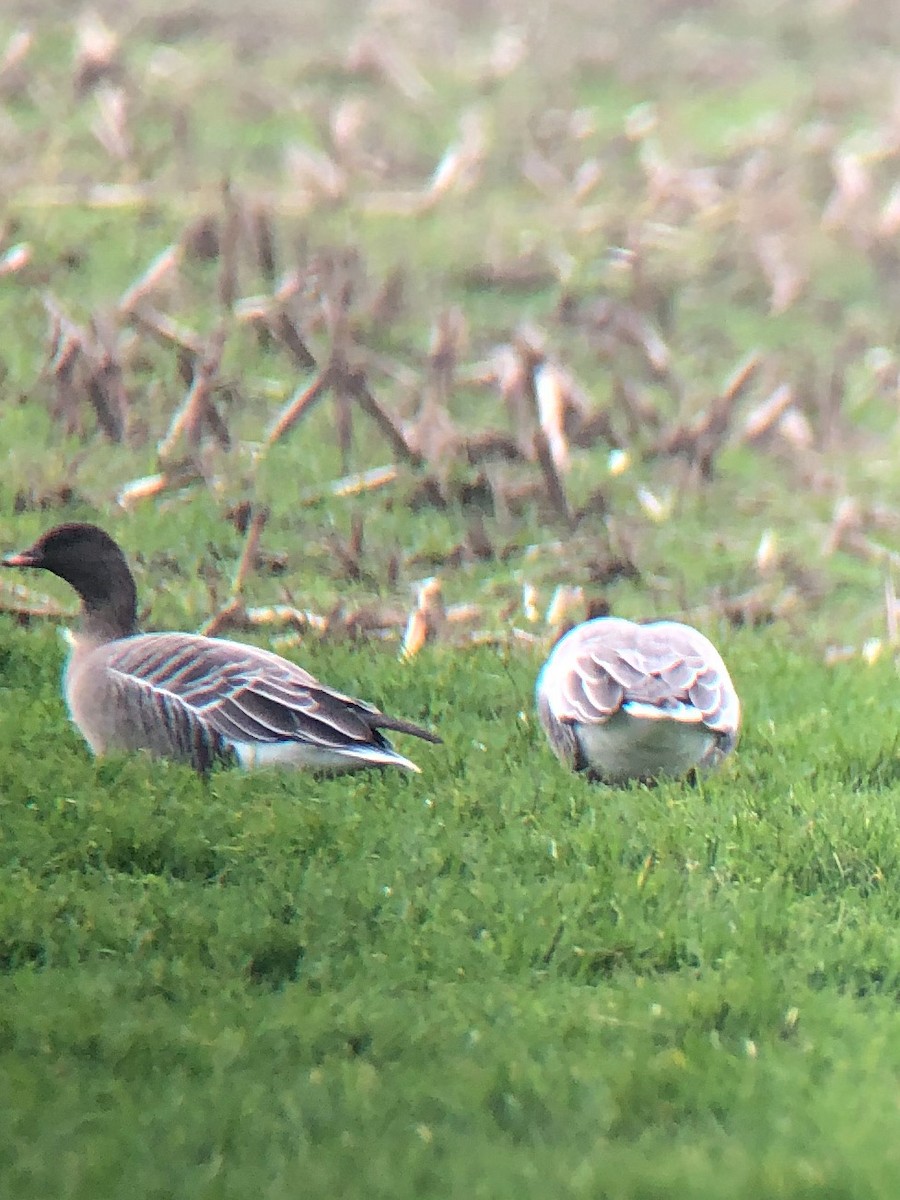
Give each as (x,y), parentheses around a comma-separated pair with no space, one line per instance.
(450,985)
(491,980)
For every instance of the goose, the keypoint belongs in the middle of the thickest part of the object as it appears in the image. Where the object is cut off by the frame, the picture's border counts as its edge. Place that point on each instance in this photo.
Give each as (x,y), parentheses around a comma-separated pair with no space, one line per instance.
(621,701)
(191,698)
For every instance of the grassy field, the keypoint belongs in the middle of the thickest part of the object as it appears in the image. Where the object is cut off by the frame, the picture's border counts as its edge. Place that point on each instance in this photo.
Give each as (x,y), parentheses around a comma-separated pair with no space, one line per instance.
(494,979)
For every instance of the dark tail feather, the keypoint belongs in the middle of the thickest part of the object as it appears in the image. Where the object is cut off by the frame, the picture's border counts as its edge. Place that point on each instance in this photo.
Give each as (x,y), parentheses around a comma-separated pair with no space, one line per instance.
(382,721)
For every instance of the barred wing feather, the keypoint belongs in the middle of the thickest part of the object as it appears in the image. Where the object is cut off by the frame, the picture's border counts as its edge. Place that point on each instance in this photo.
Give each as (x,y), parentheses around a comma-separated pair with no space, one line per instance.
(214,693)
(664,670)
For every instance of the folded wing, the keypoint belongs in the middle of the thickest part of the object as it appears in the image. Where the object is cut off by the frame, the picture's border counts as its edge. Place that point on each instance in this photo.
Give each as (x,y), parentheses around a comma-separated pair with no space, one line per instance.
(664,670)
(212,694)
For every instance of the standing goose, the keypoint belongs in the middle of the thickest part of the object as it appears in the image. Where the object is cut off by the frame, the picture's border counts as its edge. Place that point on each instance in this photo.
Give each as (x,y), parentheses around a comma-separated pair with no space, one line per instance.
(622,701)
(193,698)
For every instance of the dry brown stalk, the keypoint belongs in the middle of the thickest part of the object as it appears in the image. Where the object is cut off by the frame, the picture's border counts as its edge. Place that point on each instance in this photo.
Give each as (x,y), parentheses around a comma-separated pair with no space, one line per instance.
(97,51)
(700,440)
(286,331)
(286,615)
(262,235)
(774,253)
(160,269)
(251,548)
(868,549)
(427,620)
(509,371)
(13,69)
(491,444)
(632,326)
(110,124)
(65,343)
(107,396)
(88,358)
(765,416)
(556,404)
(231,615)
(433,433)
(352,485)
(760,605)
(737,383)
(349,553)
(355,384)
(63,367)
(343,421)
(847,516)
(149,486)
(299,405)
(198,410)
(228,248)
(254,310)
(566,609)
(168,331)
(554,484)
(201,238)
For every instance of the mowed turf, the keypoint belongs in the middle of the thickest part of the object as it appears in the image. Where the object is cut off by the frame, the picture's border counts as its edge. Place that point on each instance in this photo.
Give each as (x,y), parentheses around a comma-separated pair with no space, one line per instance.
(489,980)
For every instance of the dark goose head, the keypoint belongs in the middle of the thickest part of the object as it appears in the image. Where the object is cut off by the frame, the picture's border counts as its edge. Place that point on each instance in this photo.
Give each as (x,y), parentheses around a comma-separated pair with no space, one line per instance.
(88,560)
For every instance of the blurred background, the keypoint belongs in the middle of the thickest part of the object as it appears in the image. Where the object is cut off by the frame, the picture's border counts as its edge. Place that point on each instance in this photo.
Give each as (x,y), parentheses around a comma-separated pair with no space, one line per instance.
(527,297)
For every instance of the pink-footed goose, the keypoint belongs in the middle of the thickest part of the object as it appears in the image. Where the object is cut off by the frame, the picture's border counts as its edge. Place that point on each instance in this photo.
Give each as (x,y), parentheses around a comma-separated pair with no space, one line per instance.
(622,701)
(192,698)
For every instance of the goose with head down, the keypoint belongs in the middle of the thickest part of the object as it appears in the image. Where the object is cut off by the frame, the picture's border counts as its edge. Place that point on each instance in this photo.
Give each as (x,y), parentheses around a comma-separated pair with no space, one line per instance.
(192,698)
(623,701)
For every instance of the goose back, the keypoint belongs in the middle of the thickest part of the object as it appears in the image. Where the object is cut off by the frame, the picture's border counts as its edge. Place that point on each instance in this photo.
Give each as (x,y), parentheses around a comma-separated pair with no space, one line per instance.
(628,696)
(201,699)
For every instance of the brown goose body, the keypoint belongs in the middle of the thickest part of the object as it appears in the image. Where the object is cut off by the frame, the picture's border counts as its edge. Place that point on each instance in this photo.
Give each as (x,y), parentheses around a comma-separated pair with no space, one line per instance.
(624,701)
(192,698)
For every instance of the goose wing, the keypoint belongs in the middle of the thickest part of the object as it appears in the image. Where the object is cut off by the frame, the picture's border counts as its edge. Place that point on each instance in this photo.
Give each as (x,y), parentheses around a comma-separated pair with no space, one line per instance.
(662,670)
(242,694)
